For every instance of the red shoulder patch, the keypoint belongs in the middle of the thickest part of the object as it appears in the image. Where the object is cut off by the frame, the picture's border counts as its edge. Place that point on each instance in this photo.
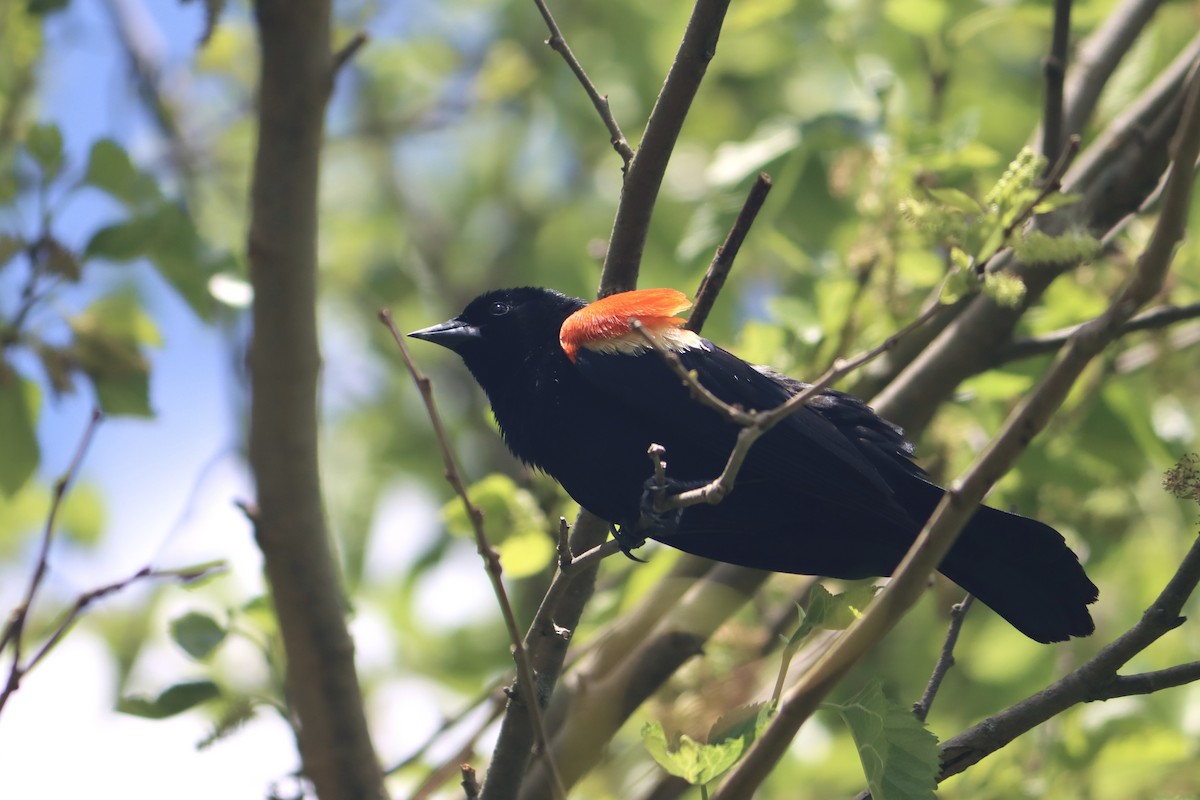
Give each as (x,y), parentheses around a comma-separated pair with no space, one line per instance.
(608,319)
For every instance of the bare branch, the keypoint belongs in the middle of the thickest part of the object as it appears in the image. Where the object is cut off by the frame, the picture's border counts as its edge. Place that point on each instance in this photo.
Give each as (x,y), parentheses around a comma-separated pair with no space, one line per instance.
(945,659)
(14,629)
(285,361)
(1114,175)
(1154,319)
(529,696)
(1055,68)
(1095,680)
(962,498)
(558,43)
(349,50)
(643,178)
(1098,56)
(722,263)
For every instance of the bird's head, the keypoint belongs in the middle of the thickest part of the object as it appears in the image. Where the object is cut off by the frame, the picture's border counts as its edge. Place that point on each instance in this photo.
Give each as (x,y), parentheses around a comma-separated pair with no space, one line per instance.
(502,327)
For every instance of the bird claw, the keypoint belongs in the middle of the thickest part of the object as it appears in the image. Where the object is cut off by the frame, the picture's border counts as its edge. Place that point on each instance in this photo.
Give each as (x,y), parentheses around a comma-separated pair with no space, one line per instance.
(662,524)
(628,542)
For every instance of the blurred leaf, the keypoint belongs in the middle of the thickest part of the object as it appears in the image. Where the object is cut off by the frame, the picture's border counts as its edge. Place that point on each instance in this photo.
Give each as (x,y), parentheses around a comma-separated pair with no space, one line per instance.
(107,344)
(958,199)
(525,554)
(696,763)
(745,722)
(508,510)
(82,516)
(45,144)
(60,367)
(899,755)
(10,246)
(58,259)
(19,402)
(22,515)
(924,18)
(40,8)
(174,700)
(110,170)
(198,634)
(736,161)
(166,236)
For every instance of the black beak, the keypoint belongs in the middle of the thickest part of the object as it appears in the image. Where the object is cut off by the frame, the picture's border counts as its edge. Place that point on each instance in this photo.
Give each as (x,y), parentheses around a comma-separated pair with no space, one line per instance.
(452,334)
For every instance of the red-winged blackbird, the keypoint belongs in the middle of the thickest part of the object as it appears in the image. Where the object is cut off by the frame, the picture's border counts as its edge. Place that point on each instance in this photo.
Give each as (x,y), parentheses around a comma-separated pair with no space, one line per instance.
(831,491)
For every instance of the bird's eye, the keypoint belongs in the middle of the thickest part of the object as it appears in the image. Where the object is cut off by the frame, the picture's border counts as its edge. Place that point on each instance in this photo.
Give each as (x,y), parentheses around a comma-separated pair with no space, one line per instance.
(499,308)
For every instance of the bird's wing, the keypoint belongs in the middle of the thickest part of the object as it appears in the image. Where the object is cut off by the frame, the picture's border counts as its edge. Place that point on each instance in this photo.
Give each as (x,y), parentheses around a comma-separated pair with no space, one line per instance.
(806,454)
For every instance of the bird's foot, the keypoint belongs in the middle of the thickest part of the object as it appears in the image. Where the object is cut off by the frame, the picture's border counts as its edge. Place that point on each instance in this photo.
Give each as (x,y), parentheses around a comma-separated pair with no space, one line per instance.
(659,524)
(629,539)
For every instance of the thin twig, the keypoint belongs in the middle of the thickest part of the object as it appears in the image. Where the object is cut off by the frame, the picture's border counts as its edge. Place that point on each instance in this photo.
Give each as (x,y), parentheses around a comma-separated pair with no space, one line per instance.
(525,677)
(643,178)
(1054,67)
(1098,56)
(1154,319)
(945,659)
(558,43)
(470,783)
(1095,680)
(722,263)
(491,695)
(14,629)
(347,51)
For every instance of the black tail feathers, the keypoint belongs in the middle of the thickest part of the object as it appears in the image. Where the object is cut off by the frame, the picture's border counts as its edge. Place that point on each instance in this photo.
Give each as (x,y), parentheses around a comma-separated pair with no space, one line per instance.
(1024,571)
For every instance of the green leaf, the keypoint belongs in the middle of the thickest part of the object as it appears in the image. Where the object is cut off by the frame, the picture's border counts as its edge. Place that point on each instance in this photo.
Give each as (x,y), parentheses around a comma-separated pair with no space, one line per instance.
(1056,201)
(508,510)
(174,700)
(109,336)
(82,516)
(19,401)
(167,237)
(898,753)
(744,722)
(198,634)
(526,553)
(696,763)
(958,199)
(110,170)
(44,143)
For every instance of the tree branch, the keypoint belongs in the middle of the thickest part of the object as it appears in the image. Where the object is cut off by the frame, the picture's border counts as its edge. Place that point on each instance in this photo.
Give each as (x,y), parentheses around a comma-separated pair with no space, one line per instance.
(14,629)
(1095,680)
(1154,319)
(1116,173)
(645,172)
(1098,56)
(1055,67)
(962,498)
(945,659)
(722,263)
(558,43)
(529,696)
(322,686)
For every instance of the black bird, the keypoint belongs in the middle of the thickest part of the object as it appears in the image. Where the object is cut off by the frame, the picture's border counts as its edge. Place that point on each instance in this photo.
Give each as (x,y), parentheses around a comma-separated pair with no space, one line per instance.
(832,490)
